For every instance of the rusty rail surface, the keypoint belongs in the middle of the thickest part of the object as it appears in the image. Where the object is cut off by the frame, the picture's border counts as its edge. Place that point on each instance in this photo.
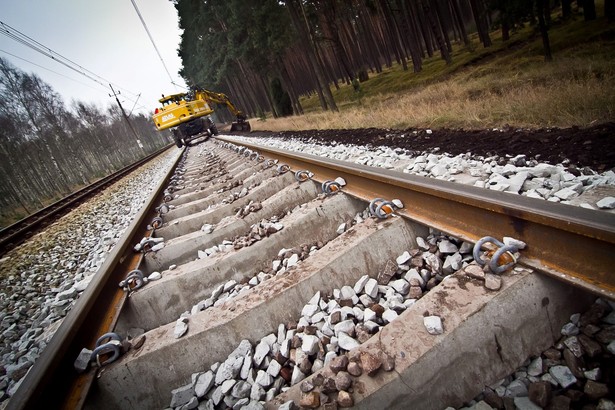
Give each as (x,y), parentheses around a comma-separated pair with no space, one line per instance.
(570,243)
(16,233)
(573,244)
(52,380)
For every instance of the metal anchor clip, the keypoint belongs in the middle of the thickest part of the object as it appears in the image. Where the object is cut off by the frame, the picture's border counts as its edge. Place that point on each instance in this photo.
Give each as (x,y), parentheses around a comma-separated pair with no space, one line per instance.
(283,168)
(500,259)
(134,280)
(156,222)
(303,175)
(382,209)
(109,343)
(332,187)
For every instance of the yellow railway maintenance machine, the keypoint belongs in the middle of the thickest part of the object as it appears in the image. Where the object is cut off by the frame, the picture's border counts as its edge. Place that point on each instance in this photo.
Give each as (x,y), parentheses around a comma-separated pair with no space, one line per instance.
(189,118)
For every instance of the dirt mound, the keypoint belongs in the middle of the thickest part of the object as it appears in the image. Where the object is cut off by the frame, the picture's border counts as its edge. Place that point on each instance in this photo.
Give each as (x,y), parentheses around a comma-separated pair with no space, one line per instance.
(592,147)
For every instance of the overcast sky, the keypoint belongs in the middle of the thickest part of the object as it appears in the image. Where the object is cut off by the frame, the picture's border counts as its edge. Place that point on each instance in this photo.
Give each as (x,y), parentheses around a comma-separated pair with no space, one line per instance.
(105,37)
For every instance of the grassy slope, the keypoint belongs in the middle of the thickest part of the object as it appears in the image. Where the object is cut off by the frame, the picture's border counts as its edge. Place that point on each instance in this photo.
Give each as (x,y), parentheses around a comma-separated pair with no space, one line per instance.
(507,83)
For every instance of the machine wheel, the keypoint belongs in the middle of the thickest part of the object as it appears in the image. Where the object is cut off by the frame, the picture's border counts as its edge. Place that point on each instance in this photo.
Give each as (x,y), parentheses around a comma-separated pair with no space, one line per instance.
(214,129)
(177,137)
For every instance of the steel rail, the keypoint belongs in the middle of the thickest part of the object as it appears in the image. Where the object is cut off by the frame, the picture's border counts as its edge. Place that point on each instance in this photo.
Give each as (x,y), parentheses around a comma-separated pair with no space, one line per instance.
(52,381)
(16,233)
(573,244)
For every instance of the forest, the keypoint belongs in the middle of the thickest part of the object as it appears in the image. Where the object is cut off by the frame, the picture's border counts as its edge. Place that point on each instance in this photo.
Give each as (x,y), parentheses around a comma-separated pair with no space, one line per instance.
(48,150)
(269,53)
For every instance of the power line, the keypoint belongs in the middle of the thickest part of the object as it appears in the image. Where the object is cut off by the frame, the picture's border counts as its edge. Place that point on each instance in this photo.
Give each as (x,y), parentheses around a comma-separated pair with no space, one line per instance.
(22,38)
(152,40)
(48,69)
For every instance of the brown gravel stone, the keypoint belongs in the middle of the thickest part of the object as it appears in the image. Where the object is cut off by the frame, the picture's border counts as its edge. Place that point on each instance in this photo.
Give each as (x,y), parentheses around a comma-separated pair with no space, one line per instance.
(370,363)
(540,393)
(318,380)
(416,262)
(354,369)
(559,403)
(286,373)
(606,336)
(362,333)
(305,366)
(354,356)
(296,343)
(310,400)
(432,283)
(385,275)
(343,381)
(328,385)
(574,395)
(344,399)
(593,314)
(509,403)
(19,374)
(574,364)
(553,354)
(573,344)
(306,386)
(346,302)
(336,317)
(279,357)
(378,309)
(339,363)
(590,347)
(492,398)
(590,330)
(310,330)
(595,390)
(415,292)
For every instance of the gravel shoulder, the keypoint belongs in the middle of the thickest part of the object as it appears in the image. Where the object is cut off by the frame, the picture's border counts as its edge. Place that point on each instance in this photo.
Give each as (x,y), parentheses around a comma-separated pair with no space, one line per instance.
(571,166)
(592,147)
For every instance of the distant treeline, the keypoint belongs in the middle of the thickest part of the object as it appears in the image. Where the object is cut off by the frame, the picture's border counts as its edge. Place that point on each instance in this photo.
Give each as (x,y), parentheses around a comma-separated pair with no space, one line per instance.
(267,53)
(48,150)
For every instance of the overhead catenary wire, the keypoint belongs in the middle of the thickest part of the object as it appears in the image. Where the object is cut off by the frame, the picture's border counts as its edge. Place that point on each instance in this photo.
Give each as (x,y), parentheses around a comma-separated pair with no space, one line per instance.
(153,43)
(35,45)
(48,69)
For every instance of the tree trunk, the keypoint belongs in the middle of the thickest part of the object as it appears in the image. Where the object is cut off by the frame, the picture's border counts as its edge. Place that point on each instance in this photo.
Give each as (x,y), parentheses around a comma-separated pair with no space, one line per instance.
(478,11)
(429,13)
(544,32)
(458,18)
(589,10)
(328,17)
(303,30)
(505,30)
(567,9)
(609,9)
(413,39)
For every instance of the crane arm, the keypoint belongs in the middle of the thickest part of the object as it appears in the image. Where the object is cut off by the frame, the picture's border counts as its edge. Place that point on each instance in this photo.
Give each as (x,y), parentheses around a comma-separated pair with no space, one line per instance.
(219,98)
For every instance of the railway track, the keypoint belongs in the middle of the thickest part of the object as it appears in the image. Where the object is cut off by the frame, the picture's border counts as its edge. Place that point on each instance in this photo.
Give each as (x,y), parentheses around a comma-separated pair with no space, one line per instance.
(21,230)
(258,262)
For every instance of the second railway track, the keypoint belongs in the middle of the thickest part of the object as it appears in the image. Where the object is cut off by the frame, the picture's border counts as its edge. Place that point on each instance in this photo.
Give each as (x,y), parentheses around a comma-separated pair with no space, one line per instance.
(250,252)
